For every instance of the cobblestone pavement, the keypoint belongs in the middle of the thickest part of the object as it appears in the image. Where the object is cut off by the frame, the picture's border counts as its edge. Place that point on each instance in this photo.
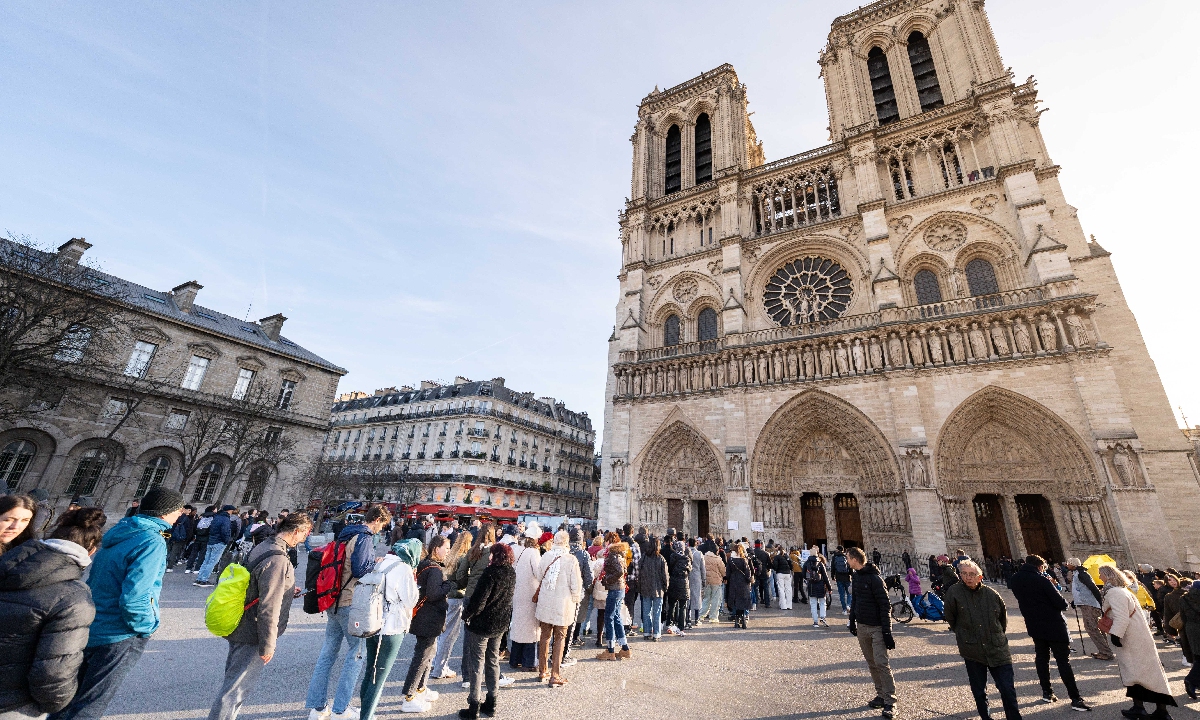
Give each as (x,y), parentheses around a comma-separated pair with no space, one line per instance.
(781,667)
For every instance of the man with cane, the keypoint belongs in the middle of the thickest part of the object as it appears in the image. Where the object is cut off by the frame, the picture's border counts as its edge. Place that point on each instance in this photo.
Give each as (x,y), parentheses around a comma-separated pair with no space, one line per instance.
(1042,607)
(1085,598)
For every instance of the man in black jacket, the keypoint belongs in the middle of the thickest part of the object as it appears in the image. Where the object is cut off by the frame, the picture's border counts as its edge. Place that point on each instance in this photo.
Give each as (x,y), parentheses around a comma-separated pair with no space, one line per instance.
(870,621)
(1042,607)
(762,574)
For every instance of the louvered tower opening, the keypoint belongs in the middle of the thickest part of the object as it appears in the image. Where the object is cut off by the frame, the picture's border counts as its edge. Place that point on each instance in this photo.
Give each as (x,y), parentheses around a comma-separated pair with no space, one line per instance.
(881,87)
(674,167)
(928,91)
(703,149)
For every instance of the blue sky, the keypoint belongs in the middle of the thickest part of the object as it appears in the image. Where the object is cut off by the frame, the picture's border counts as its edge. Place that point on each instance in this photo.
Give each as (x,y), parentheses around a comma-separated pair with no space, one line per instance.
(430,190)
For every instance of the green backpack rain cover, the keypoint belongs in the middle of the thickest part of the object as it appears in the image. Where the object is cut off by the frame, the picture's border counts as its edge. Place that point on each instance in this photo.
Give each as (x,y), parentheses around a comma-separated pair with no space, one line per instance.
(224,608)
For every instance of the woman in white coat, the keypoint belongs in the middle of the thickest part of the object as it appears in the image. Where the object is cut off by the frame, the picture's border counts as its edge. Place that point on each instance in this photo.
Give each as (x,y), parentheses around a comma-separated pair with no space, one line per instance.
(560,590)
(1137,657)
(395,571)
(525,632)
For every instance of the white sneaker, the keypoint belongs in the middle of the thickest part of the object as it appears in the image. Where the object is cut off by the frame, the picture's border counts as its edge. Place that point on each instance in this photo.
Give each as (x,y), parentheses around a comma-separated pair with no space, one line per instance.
(414,705)
(505,681)
(427,695)
(350,713)
(466,686)
(170,570)
(447,674)
(567,662)
(315,714)
(187,572)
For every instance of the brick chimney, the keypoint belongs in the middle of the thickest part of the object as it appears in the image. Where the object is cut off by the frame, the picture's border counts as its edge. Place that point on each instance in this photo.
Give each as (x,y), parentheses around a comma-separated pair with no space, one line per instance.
(72,250)
(185,295)
(272,325)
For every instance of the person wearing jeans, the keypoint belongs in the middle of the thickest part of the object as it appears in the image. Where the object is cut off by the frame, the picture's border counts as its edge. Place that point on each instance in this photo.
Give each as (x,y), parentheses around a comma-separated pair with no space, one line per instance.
(220,534)
(714,587)
(655,581)
(613,577)
(817,579)
(395,571)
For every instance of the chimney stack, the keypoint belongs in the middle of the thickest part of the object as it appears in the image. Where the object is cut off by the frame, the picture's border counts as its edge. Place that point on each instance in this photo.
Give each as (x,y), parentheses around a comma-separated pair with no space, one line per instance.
(272,325)
(185,295)
(460,380)
(72,250)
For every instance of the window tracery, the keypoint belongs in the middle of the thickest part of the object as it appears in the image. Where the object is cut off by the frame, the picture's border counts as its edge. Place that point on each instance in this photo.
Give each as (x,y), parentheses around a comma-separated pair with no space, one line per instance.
(807,290)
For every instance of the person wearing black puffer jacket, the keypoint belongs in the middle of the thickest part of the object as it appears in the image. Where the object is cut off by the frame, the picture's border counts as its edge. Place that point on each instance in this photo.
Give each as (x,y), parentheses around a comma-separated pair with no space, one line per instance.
(47,611)
(870,621)
(487,614)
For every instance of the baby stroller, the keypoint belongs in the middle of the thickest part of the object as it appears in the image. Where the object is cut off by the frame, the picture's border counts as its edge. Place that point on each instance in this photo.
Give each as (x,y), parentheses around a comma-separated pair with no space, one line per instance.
(930,607)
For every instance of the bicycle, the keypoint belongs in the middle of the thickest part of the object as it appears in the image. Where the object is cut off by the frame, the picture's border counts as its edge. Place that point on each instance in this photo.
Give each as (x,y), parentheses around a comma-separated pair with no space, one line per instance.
(902,609)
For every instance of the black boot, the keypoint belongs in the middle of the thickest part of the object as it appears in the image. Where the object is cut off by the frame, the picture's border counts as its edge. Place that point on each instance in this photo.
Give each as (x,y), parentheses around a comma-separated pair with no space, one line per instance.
(488,708)
(471,712)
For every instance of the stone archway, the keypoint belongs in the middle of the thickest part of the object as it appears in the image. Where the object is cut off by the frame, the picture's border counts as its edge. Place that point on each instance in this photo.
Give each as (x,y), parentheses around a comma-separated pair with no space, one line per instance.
(680,483)
(1007,463)
(819,445)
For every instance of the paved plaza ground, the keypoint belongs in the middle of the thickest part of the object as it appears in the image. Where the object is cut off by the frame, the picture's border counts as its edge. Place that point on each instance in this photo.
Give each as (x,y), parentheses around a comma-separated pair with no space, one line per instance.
(781,667)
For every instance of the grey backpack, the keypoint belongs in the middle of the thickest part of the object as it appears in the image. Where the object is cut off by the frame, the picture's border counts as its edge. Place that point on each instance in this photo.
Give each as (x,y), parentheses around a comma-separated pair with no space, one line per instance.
(367,608)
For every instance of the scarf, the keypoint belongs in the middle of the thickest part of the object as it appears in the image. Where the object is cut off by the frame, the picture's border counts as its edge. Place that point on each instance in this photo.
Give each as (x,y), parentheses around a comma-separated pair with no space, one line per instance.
(550,580)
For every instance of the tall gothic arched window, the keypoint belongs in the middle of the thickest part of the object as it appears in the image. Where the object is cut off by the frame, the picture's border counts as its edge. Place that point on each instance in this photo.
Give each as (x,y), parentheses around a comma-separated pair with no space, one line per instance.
(153,474)
(14,460)
(706,325)
(88,471)
(881,87)
(206,487)
(255,486)
(703,149)
(926,285)
(674,156)
(981,277)
(929,93)
(671,331)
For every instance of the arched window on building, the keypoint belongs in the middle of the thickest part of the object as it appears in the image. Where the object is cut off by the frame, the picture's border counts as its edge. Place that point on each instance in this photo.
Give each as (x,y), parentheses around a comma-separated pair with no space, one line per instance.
(674,165)
(671,331)
(153,474)
(255,486)
(929,93)
(206,486)
(881,87)
(706,325)
(703,149)
(88,471)
(926,285)
(981,277)
(14,460)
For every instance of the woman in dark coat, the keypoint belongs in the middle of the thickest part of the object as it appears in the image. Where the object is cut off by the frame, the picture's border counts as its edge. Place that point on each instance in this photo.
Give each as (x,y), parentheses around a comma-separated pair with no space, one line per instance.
(679,566)
(487,614)
(1171,597)
(1042,606)
(740,577)
(46,612)
(653,583)
(429,620)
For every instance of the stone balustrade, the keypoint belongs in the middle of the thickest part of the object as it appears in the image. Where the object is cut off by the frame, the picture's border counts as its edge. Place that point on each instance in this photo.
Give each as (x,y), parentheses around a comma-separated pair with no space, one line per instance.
(1027,323)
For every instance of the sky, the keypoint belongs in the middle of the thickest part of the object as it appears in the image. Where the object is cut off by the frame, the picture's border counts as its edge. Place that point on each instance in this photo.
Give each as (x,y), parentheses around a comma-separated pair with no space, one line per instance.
(429,190)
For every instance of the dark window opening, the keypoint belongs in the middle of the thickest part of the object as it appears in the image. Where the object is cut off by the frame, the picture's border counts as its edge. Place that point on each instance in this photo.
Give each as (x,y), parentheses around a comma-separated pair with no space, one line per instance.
(952,172)
(703,149)
(981,278)
(929,93)
(926,285)
(671,331)
(881,87)
(674,165)
(706,325)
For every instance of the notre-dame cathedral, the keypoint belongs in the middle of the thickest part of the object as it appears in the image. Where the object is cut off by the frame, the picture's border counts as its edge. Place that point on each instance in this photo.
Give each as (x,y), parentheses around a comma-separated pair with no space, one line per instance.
(902,340)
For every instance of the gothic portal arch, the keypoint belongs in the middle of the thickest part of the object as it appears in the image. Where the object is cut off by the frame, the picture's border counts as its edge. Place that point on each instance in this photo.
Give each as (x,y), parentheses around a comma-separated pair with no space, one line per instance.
(817,457)
(680,482)
(1014,479)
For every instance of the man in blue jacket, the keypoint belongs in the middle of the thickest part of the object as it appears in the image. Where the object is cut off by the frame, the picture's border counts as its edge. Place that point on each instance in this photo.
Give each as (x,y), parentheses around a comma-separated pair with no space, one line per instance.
(125,580)
(220,534)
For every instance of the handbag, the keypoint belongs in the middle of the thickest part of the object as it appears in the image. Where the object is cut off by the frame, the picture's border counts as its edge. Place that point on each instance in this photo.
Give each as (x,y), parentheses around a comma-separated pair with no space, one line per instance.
(1105,623)
(1176,621)
(538,592)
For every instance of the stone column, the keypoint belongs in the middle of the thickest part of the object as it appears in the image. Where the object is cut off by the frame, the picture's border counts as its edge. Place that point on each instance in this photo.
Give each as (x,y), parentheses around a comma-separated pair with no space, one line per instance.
(831,532)
(1012,522)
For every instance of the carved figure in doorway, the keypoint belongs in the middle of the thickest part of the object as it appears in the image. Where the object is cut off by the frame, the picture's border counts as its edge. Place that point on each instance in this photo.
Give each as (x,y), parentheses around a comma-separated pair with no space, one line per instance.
(1047,333)
(1021,337)
(1079,334)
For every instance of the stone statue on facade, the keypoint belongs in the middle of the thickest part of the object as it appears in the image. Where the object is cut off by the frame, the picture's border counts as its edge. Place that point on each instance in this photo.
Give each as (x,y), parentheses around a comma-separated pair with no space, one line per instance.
(956,345)
(1080,337)
(915,350)
(809,362)
(999,341)
(935,348)
(978,342)
(1047,333)
(618,475)
(737,472)
(895,351)
(860,361)
(876,355)
(1021,337)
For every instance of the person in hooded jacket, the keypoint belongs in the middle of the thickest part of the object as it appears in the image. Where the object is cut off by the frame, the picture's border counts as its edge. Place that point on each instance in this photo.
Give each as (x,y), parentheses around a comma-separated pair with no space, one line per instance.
(396,572)
(125,580)
(16,521)
(679,567)
(655,581)
(220,537)
(487,614)
(1042,607)
(428,622)
(46,610)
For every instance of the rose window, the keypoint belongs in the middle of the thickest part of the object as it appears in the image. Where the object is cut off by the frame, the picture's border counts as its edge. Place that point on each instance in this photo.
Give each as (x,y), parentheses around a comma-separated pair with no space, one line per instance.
(807,290)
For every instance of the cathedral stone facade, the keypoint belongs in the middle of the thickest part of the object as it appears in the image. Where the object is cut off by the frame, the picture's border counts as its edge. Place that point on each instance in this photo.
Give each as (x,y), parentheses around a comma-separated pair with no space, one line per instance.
(902,340)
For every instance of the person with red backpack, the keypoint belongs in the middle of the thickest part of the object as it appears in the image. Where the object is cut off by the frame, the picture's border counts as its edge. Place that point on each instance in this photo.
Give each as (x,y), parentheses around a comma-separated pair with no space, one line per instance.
(352,556)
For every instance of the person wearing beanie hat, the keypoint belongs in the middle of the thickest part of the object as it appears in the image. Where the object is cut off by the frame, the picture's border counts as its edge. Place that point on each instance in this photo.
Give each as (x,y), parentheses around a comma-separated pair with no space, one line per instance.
(125,580)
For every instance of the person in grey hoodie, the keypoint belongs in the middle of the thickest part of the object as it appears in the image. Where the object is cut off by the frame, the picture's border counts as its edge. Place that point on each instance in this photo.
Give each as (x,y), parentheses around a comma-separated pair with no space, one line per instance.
(575,533)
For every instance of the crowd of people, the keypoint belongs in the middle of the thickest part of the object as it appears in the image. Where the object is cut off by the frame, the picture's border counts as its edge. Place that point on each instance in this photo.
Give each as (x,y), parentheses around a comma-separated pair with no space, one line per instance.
(523,599)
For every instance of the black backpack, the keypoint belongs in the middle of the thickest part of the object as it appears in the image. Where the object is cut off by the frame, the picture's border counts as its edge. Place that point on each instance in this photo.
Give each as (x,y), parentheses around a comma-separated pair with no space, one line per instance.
(310,581)
(840,566)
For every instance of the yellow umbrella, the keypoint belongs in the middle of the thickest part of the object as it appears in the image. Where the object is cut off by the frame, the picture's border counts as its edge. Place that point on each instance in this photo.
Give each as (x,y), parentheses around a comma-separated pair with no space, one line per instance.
(1095,562)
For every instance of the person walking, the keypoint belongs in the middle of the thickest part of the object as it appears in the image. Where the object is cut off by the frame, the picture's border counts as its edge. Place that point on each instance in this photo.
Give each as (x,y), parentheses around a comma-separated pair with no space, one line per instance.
(816,577)
(198,547)
(679,568)
(870,621)
(559,591)
(978,619)
(359,560)
(741,580)
(220,535)
(428,622)
(1137,657)
(654,583)
(695,583)
(125,580)
(1042,607)
(396,572)
(46,609)
(269,598)
(1085,597)
(487,614)
(454,603)
(782,565)
(613,579)
(182,533)
(841,575)
(714,587)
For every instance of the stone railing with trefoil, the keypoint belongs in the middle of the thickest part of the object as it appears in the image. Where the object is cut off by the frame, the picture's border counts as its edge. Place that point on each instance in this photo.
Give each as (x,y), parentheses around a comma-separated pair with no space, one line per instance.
(1030,323)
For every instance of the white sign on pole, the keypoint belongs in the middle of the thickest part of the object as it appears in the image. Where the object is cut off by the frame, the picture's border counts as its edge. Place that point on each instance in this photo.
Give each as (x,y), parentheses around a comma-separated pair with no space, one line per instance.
(756,527)
(733,524)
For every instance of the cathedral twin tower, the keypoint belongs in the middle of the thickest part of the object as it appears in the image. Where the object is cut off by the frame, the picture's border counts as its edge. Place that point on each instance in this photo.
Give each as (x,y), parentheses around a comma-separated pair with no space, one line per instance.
(901,340)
